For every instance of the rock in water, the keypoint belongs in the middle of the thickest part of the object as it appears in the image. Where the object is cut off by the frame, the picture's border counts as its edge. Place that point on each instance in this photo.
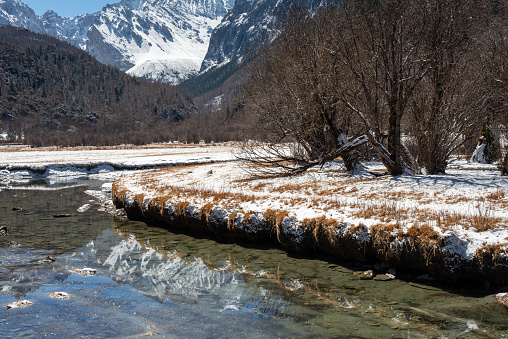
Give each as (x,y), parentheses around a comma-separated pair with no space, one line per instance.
(84,208)
(63,215)
(47,260)
(384,277)
(367,275)
(390,276)
(60,295)
(85,272)
(502,298)
(4,230)
(17,209)
(19,304)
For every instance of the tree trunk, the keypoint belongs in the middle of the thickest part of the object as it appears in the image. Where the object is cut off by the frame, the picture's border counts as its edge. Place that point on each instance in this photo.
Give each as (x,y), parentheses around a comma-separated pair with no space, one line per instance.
(504,165)
(394,146)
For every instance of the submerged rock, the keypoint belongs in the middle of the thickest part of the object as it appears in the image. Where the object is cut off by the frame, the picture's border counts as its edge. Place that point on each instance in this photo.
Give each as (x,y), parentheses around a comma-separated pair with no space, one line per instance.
(390,276)
(425,277)
(19,304)
(47,260)
(63,215)
(14,244)
(60,295)
(85,272)
(384,277)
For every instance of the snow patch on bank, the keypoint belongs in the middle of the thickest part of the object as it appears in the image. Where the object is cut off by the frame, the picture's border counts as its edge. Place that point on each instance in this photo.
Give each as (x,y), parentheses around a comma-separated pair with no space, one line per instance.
(450,209)
(19,165)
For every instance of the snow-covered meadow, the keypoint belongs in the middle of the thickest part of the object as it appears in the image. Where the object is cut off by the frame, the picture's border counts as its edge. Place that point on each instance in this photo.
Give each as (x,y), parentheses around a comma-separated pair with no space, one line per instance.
(462,214)
(470,200)
(20,164)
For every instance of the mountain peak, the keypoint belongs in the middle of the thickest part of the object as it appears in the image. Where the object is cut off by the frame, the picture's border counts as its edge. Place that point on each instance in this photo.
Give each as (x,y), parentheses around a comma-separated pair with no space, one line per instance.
(163,40)
(247,26)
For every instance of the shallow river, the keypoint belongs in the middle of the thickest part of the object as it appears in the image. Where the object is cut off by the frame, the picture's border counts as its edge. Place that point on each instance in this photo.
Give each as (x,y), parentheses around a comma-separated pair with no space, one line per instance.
(154,282)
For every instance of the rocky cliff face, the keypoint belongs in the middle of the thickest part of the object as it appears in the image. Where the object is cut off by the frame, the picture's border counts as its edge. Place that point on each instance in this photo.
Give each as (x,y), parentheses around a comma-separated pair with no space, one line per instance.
(164,40)
(248,25)
(16,13)
(72,30)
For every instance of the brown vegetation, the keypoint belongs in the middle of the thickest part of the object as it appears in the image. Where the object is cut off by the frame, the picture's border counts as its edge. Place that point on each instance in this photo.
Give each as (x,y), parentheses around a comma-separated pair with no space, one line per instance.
(377,70)
(408,235)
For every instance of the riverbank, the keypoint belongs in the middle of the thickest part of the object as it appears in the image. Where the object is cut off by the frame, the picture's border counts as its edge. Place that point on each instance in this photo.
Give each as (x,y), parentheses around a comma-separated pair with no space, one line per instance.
(453,227)
(150,281)
(22,165)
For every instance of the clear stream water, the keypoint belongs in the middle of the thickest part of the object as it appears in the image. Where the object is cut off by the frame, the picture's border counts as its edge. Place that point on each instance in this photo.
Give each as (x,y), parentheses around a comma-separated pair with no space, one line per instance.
(152,282)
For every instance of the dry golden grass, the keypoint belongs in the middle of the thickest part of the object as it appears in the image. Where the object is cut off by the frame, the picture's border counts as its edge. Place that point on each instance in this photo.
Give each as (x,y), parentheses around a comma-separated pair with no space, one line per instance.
(181,208)
(274,219)
(319,223)
(346,197)
(232,220)
(408,224)
(495,196)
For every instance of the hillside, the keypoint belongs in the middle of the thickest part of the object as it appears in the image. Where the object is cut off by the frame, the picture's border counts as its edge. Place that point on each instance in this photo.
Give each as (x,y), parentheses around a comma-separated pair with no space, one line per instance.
(162,40)
(54,93)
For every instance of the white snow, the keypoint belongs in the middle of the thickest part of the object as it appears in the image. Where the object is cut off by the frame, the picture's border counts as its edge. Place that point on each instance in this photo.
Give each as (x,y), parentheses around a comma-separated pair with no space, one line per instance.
(454,205)
(467,207)
(19,164)
(479,154)
(124,156)
(84,208)
(170,50)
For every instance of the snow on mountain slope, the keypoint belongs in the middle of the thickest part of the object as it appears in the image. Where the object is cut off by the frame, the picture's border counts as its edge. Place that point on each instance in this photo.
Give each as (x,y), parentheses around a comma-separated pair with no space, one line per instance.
(163,40)
(16,13)
(72,30)
(166,70)
(249,24)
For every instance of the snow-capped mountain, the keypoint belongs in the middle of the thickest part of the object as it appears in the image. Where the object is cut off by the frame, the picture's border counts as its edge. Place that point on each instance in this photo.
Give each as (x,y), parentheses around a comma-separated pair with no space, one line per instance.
(159,39)
(72,30)
(16,13)
(164,40)
(249,24)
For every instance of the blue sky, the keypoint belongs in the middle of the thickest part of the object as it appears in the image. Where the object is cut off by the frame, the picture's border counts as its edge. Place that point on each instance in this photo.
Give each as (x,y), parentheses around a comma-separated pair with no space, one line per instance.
(68,8)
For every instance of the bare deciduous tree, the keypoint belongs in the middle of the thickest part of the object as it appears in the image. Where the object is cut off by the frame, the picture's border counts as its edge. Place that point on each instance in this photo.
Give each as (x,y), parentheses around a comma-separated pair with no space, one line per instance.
(494,61)
(399,68)
(445,104)
(293,89)
(378,44)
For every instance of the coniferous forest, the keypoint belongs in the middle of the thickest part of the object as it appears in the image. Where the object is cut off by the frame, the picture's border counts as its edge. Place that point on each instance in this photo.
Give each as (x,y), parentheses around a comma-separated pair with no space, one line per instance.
(52,93)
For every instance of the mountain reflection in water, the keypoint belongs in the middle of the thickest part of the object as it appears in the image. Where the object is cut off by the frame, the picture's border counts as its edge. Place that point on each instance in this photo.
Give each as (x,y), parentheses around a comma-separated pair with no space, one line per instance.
(154,282)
